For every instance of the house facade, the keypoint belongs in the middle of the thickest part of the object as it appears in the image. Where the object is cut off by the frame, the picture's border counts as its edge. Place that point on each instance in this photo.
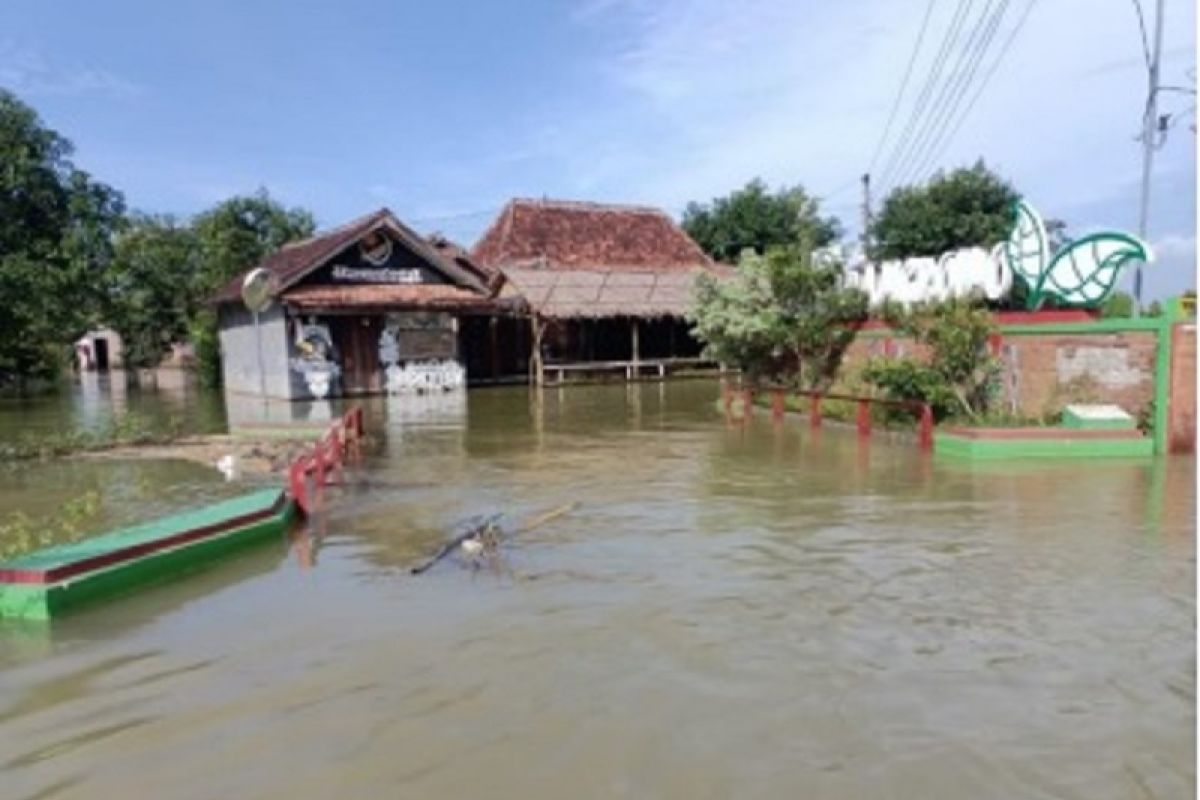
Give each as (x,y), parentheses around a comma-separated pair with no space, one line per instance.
(366,308)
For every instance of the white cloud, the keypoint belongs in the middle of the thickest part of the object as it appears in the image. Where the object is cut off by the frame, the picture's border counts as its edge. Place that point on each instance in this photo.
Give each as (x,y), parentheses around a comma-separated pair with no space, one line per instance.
(709,94)
(30,73)
(1174,267)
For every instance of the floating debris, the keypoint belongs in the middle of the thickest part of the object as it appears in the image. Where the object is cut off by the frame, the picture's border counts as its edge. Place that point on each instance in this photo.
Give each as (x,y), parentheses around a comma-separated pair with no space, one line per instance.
(483,539)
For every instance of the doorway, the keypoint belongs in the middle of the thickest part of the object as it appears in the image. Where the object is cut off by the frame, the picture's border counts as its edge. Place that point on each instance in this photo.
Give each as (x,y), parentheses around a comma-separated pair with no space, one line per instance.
(356,340)
(100,349)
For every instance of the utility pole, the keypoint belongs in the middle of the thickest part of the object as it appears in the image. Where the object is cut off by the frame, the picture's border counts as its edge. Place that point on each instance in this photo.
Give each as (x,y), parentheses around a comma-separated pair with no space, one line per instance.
(866,212)
(1149,135)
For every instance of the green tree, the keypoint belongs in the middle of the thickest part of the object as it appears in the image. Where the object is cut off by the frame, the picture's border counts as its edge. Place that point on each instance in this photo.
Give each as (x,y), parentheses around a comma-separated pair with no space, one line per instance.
(238,233)
(782,316)
(1119,305)
(153,287)
(957,372)
(754,217)
(233,237)
(56,226)
(965,208)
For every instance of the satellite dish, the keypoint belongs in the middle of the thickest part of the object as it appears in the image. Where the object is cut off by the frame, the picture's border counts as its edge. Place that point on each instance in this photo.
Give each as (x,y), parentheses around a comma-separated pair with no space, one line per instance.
(256,290)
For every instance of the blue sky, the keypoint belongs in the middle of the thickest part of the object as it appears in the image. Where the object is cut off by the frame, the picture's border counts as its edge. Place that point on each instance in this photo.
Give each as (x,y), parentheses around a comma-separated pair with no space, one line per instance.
(443,111)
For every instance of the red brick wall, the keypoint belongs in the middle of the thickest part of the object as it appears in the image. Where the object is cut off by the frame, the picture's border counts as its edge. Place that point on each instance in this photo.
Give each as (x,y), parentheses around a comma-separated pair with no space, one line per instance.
(1044,372)
(1181,414)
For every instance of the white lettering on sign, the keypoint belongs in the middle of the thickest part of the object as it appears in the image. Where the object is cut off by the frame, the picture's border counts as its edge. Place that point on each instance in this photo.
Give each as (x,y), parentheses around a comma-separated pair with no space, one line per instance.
(368,275)
(955,274)
(1079,273)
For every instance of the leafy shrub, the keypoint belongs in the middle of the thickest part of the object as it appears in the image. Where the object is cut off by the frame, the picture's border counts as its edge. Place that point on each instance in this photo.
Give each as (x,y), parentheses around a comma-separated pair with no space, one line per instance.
(782,317)
(958,375)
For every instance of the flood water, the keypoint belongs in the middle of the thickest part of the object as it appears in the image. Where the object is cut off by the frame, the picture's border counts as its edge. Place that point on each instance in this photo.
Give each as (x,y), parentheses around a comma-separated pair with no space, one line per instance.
(728,611)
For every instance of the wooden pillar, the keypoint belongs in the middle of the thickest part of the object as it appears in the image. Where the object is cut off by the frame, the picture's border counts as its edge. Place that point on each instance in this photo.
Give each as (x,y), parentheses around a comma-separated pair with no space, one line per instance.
(494,345)
(537,330)
(634,344)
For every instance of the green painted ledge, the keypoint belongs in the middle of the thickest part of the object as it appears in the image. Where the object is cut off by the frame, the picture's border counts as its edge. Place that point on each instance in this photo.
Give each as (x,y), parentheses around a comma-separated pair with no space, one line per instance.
(954,446)
(43,601)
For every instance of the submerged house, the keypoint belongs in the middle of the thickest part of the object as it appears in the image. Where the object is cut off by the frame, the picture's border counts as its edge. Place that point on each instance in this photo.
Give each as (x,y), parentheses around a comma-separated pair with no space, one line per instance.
(365,308)
(551,287)
(604,285)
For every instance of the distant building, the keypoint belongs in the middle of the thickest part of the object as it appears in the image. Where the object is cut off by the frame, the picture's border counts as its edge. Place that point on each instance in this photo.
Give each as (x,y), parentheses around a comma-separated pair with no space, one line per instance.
(99,351)
(603,283)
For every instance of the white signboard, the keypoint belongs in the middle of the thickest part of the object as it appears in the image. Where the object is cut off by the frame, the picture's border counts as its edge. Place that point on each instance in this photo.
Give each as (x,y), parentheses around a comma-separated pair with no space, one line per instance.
(375,275)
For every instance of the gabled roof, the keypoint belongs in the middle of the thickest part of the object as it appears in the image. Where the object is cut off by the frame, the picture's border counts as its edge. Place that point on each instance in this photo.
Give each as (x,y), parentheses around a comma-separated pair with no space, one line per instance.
(569,235)
(291,263)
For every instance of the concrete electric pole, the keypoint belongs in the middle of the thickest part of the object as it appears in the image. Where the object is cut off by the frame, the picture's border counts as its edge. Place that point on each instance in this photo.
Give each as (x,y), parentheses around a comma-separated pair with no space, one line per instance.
(866,212)
(1150,130)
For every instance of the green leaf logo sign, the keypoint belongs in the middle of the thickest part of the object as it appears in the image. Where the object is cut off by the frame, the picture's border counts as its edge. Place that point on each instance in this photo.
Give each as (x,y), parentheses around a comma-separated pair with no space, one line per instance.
(1082,273)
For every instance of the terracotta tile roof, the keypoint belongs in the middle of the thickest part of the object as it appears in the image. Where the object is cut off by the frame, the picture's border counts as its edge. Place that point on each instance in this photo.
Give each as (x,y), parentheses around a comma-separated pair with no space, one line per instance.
(443,297)
(294,260)
(559,293)
(456,253)
(566,235)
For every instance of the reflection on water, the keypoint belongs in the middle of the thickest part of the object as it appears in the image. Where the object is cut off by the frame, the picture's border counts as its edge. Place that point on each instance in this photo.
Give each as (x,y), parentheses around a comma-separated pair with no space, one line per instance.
(94,400)
(730,611)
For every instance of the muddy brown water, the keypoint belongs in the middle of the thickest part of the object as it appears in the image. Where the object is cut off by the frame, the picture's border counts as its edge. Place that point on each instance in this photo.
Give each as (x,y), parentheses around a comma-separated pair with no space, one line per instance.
(729,612)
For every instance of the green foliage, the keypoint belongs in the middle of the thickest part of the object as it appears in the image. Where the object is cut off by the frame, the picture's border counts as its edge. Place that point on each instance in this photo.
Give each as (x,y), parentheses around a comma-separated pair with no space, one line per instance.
(911,380)
(783,316)
(164,274)
(21,534)
(240,232)
(204,335)
(231,238)
(966,208)
(56,227)
(1119,305)
(957,375)
(1155,309)
(153,287)
(755,218)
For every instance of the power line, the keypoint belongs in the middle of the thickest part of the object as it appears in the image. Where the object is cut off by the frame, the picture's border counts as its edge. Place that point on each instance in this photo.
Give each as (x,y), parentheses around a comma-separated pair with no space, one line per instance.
(964,6)
(1137,6)
(1004,48)
(452,217)
(835,191)
(967,58)
(956,92)
(912,60)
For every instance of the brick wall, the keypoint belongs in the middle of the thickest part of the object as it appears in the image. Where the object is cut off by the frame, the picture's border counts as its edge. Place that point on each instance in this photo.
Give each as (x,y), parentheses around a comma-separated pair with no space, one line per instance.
(1045,371)
(1181,415)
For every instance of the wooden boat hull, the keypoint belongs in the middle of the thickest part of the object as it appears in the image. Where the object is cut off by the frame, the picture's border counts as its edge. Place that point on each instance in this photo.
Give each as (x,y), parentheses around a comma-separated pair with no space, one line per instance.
(43,584)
